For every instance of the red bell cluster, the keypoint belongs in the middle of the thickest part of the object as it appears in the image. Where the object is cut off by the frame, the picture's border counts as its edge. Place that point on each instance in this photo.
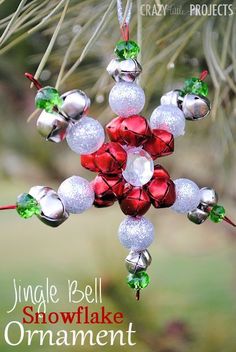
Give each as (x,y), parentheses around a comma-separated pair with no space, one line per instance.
(110,160)
(134,131)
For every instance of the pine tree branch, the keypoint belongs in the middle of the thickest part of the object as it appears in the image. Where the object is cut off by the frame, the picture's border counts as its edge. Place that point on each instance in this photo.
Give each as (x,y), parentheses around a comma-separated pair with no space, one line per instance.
(97,32)
(51,43)
(5,34)
(71,46)
(46,18)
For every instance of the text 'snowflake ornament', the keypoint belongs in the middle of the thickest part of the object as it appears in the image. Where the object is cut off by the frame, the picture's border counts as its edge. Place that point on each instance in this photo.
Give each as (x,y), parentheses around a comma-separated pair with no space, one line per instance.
(126,166)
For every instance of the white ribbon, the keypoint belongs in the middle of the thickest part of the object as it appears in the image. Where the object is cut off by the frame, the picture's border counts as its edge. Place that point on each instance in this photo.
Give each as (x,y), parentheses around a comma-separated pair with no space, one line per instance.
(120,13)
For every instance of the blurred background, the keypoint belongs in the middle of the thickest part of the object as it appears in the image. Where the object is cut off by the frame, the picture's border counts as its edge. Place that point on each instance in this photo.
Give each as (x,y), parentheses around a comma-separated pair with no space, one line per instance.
(190,304)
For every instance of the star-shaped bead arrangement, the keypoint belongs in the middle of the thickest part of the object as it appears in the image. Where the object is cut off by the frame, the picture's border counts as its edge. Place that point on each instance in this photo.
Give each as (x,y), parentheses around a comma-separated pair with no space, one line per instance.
(126,166)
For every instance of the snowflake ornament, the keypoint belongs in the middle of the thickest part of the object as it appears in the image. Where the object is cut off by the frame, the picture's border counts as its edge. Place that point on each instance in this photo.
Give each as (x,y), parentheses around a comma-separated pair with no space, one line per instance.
(126,166)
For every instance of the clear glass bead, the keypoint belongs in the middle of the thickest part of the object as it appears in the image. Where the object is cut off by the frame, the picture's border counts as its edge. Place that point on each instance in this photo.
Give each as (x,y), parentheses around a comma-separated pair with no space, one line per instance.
(139,167)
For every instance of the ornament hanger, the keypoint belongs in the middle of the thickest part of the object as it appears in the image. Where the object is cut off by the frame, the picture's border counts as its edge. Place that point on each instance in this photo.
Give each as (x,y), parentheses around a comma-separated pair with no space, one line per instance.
(124,18)
(127,13)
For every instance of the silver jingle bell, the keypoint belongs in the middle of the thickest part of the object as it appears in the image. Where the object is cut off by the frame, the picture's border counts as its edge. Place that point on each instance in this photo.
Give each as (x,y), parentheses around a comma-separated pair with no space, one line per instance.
(198,216)
(52,126)
(53,212)
(138,261)
(75,104)
(195,107)
(38,191)
(130,69)
(147,256)
(208,196)
(113,69)
(171,98)
(125,70)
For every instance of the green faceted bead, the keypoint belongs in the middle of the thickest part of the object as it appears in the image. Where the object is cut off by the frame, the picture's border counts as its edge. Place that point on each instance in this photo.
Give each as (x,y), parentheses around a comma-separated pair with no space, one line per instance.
(195,86)
(217,213)
(27,206)
(138,280)
(127,49)
(48,97)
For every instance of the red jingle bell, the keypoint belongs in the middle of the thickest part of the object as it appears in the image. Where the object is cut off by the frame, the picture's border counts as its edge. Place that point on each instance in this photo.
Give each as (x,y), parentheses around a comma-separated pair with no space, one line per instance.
(88,162)
(103,202)
(160,172)
(136,202)
(134,130)
(113,129)
(110,158)
(109,185)
(161,192)
(160,144)
(104,195)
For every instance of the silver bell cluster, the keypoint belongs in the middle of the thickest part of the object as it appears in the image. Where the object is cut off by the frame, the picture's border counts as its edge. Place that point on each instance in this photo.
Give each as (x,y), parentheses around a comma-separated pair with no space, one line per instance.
(208,198)
(53,126)
(53,211)
(138,261)
(194,107)
(126,70)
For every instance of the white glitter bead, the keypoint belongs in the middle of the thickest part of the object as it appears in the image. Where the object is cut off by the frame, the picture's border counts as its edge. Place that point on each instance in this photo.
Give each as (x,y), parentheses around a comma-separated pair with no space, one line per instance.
(76,194)
(139,167)
(136,233)
(169,118)
(85,136)
(187,195)
(126,99)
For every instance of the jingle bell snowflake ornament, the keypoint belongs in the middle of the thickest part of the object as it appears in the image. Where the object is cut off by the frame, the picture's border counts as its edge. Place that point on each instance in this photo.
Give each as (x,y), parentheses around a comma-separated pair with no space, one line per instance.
(126,168)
